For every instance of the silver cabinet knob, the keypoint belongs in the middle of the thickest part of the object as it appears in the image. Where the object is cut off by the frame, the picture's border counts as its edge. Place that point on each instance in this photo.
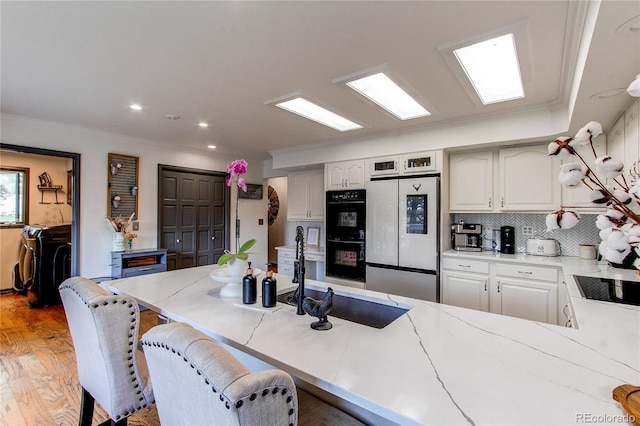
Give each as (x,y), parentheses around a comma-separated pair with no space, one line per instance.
(213,238)
(178,241)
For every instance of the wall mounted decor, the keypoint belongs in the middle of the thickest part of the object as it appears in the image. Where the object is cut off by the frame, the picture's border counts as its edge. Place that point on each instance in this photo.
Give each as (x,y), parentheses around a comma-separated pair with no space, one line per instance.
(120,185)
(254,192)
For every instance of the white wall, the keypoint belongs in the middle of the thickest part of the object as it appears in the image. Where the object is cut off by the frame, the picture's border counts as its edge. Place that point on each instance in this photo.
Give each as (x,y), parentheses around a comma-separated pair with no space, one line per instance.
(37,164)
(94,147)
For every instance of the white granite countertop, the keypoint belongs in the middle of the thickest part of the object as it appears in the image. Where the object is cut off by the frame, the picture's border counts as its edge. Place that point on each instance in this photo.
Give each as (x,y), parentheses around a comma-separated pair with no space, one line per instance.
(436,364)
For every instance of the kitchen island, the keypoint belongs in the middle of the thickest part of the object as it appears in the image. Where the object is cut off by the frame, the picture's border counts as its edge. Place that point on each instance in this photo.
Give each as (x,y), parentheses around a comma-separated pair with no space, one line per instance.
(436,364)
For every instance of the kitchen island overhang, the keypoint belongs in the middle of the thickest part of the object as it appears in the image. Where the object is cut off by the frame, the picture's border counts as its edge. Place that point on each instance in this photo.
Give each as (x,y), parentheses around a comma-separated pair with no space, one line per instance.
(435,364)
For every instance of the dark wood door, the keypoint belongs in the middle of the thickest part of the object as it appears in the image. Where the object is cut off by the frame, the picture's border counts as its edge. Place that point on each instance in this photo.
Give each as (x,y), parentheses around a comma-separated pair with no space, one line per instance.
(193,219)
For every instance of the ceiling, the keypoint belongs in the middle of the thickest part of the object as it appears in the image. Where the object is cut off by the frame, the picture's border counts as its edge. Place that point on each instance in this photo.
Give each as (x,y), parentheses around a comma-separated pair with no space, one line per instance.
(82,63)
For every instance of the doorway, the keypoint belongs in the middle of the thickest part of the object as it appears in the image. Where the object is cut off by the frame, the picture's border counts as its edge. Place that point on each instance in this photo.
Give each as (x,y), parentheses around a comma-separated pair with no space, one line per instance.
(74,194)
(193,216)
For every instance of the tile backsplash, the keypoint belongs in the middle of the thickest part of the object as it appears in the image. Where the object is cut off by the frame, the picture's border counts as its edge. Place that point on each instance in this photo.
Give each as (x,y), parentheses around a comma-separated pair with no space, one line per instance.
(585,232)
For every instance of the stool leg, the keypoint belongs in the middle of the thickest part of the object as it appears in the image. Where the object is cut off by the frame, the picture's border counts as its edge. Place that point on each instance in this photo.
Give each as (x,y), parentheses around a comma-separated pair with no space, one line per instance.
(86,408)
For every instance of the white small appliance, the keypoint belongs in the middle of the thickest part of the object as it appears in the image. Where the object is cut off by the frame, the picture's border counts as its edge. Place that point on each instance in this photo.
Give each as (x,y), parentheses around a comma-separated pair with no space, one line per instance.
(543,247)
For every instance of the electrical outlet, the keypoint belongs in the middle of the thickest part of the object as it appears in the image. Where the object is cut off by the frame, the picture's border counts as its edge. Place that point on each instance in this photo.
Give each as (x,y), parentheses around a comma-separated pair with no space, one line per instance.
(527,231)
(135,225)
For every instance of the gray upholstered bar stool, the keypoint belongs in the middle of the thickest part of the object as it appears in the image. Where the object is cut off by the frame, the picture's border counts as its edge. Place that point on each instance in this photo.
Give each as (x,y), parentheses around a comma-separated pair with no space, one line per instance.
(197,382)
(111,370)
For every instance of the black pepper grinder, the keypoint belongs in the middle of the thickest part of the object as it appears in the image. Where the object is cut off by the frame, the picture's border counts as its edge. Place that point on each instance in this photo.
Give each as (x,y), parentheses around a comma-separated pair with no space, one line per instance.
(249,287)
(269,290)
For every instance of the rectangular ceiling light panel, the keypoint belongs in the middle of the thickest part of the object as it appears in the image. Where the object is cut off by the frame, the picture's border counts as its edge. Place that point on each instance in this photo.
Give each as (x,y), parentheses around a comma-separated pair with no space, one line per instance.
(384,92)
(318,114)
(493,69)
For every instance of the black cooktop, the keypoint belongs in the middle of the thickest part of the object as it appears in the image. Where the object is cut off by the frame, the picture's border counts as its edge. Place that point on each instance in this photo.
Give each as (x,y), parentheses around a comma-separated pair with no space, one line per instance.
(609,290)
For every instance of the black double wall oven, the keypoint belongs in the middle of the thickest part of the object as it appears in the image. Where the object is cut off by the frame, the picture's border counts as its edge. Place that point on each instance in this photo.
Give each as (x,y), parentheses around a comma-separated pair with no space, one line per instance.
(345,229)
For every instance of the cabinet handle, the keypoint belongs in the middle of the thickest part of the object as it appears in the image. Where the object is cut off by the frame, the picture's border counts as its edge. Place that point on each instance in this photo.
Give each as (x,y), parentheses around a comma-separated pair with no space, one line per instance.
(145,269)
(405,165)
(525,272)
(568,323)
(498,286)
(213,238)
(489,202)
(502,202)
(178,241)
(464,266)
(485,285)
(564,311)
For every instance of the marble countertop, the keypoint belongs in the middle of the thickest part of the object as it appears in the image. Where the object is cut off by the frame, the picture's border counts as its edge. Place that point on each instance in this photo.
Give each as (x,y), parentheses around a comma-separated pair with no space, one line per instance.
(436,364)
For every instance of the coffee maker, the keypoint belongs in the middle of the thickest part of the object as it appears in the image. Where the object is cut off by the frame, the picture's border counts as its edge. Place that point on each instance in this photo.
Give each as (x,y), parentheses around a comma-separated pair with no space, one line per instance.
(466,237)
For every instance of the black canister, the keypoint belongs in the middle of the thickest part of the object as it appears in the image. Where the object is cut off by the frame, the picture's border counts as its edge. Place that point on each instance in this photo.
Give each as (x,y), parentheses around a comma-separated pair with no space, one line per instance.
(507,240)
(249,288)
(269,290)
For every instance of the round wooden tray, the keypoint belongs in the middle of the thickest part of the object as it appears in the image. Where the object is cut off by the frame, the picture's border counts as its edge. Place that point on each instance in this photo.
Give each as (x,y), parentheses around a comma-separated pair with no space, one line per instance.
(629,397)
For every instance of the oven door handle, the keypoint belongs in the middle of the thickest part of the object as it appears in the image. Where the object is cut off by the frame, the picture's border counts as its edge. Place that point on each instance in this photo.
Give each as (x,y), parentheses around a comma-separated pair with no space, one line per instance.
(346,241)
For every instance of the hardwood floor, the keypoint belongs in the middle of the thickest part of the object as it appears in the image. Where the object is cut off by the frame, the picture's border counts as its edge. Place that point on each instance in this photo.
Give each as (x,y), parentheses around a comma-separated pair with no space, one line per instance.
(38,374)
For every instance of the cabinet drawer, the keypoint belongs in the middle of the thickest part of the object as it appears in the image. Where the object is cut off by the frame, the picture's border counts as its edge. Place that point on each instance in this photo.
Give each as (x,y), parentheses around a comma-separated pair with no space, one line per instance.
(466,265)
(143,270)
(314,257)
(528,272)
(291,254)
(285,269)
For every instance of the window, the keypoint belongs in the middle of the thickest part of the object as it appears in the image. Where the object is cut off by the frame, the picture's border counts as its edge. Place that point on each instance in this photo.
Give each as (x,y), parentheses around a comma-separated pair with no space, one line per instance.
(14,196)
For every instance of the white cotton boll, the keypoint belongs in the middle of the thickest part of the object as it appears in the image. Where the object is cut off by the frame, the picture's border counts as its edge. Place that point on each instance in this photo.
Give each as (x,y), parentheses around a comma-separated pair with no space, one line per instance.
(604,233)
(622,196)
(569,219)
(615,214)
(617,240)
(636,263)
(603,249)
(551,221)
(634,89)
(615,256)
(609,167)
(634,230)
(603,222)
(599,196)
(584,135)
(571,175)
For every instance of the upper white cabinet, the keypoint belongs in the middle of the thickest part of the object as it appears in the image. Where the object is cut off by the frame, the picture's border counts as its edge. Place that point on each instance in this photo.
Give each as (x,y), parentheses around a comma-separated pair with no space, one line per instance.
(471,181)
(632,137)
(305,191)
(345,175)
(418,162)
(528,179)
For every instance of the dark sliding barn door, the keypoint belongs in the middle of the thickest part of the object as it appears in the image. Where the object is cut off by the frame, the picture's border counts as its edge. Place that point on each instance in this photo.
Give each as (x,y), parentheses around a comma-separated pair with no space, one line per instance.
(193,221)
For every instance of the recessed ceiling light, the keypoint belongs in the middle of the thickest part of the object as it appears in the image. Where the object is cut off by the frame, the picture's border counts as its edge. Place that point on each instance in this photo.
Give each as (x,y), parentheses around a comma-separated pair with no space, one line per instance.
(384,92)
(493,69)
(211,146)
(203,124)
(135,107)
(318,114)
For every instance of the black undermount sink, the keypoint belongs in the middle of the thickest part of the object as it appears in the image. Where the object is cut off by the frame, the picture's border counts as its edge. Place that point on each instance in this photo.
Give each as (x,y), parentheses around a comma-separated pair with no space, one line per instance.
(361,311)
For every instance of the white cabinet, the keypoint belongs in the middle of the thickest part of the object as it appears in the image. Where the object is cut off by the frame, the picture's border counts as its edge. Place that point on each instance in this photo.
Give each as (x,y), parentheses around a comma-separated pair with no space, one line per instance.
(471,181)
(528,179)
(306,195)
(525,291)
(345,175)
(632,137)
(419,162)
(286,257)
(513,289)
(465,283)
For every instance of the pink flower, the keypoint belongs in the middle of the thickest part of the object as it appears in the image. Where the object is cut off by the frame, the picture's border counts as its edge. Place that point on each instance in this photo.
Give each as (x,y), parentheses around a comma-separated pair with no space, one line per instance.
(237,168)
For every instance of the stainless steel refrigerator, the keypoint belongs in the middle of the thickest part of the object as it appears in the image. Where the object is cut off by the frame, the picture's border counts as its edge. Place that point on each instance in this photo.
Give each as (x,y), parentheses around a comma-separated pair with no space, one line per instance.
(403,236)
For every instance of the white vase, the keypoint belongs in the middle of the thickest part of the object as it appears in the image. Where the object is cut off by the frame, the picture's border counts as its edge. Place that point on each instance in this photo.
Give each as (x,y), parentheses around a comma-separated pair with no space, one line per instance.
(118,241)
(236,268)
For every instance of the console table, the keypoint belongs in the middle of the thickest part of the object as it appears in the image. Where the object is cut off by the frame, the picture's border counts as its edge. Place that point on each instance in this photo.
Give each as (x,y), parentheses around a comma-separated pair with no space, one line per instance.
(132,263)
